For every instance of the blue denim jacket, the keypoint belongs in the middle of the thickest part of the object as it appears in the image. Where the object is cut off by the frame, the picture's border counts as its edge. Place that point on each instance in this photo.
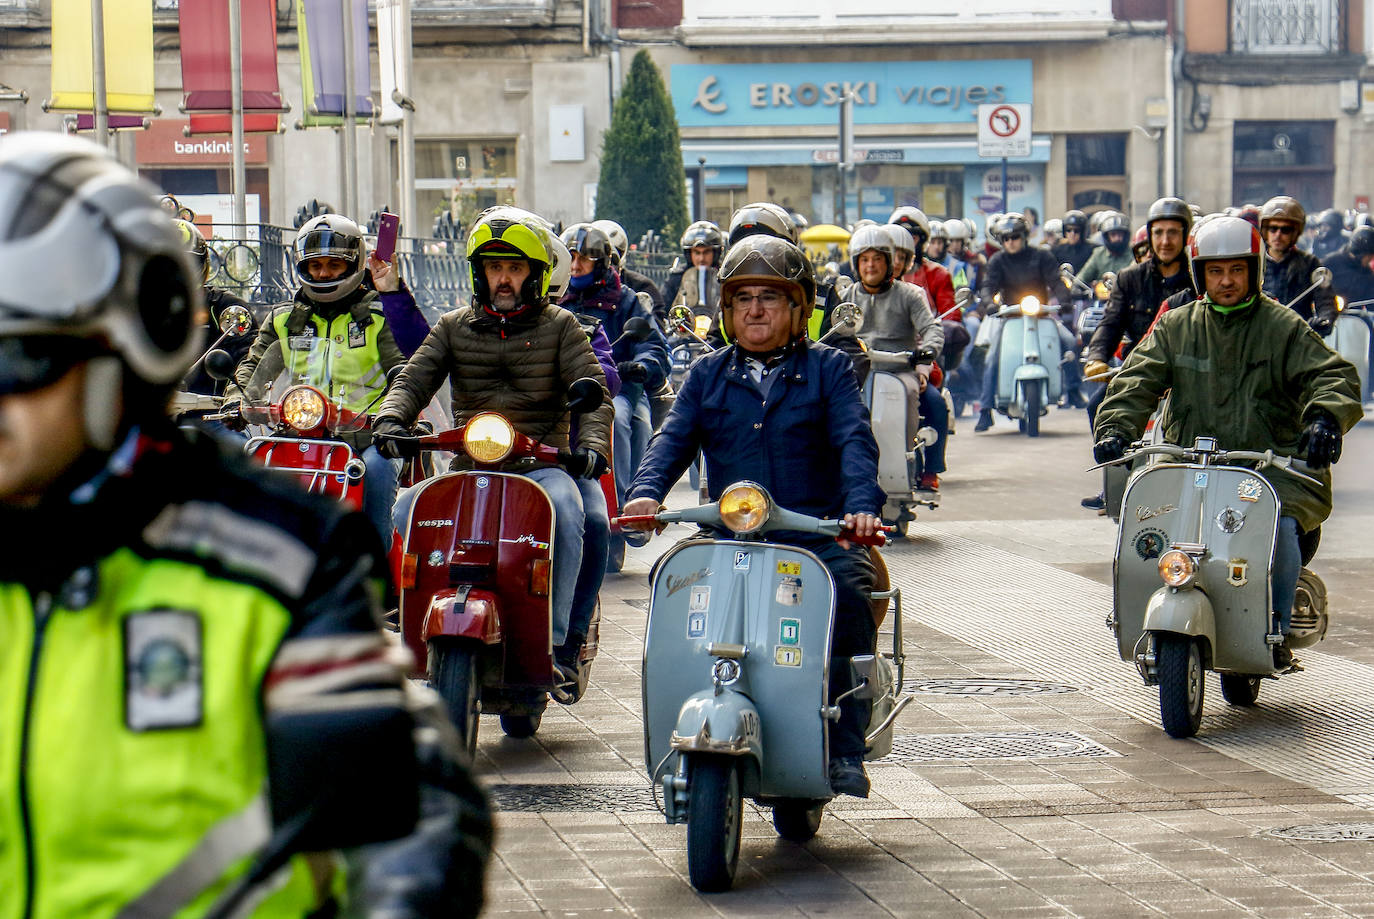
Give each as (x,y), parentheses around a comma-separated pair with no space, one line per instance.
(809,443)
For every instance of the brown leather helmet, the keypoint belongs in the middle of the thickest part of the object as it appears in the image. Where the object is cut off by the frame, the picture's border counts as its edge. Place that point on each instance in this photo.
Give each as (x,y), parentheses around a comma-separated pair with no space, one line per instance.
(772,261)
(1282,207)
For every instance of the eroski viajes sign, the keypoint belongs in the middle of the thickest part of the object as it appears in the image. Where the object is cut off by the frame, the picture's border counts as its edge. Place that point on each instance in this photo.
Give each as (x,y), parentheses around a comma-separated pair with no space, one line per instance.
(885,92)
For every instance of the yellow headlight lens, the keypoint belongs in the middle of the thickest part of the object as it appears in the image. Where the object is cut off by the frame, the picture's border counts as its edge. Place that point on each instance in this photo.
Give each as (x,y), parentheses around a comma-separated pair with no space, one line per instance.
(1177,568)
(1030,306)
(1340,304)
(303,408)
(488,438)
(703,325)
(1101,292)
(744,507)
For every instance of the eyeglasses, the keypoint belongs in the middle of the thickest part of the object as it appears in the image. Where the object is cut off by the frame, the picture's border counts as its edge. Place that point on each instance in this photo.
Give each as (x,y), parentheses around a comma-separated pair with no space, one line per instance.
(769,300)
(1287,229)
(27,364)
(1018,236)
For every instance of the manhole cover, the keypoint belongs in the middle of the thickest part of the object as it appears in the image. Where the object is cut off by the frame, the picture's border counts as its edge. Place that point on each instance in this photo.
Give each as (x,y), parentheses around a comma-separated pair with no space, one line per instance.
(1326,832)
(988,686)
(999,745)
(572,797)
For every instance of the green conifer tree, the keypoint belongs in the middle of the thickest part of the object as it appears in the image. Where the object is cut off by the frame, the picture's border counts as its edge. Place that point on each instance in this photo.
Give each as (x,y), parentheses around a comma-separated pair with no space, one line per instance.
(643,185)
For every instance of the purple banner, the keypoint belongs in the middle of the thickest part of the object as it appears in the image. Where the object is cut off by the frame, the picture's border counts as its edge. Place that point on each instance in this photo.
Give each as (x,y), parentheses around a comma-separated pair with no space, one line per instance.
(86,122)
(324,27)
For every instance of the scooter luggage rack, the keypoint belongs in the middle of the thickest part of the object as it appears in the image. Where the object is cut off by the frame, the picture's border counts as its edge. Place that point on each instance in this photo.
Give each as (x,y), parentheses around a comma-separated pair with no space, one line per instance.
(317,480)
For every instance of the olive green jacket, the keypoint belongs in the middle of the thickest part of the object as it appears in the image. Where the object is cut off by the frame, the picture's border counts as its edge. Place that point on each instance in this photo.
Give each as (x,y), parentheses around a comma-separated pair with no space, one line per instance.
(1252,379)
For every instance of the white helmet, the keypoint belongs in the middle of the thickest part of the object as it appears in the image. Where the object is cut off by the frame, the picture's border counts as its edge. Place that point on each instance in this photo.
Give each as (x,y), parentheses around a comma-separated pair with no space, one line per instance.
(560,262)
(870,238)
(958,229)
(1225,238)
(901,240)
(616,234)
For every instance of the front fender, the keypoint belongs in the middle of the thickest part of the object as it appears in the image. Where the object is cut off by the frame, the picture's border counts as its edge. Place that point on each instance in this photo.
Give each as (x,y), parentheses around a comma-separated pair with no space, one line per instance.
(462,612)
(726,723)
(1186,611)
(1028,372)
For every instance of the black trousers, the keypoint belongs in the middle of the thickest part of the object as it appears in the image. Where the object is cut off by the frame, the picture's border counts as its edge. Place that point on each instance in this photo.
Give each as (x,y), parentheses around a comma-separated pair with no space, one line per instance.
(852,633)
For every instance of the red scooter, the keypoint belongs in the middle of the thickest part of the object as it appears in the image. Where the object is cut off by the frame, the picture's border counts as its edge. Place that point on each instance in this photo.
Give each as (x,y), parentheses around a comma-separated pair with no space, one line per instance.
(476,576)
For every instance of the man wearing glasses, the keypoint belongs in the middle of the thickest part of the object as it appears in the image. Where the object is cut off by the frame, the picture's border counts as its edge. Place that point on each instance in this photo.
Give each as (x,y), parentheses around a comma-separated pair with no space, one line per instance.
(1288,270)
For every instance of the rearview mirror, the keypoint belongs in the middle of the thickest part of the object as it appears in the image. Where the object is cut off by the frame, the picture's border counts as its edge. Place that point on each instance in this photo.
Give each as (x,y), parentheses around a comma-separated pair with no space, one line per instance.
(637,328)
(235,321)
(1321,277)
(219,365)
(1066,270)
(585,395)
(848,314)
(962,297)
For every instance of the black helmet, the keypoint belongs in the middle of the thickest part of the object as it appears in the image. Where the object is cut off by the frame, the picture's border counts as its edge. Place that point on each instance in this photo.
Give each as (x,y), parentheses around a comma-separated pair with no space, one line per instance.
(1361,242)
(589,242)
(196,246)
(703,233)
(762,259)
(130,292)
(1012,223)
(1170,209)
(1330,219)
(764,218)
(330,235)
(1076,220)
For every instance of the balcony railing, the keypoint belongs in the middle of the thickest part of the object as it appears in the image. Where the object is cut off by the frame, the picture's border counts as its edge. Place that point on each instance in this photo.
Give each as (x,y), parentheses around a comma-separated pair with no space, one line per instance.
(1285,26)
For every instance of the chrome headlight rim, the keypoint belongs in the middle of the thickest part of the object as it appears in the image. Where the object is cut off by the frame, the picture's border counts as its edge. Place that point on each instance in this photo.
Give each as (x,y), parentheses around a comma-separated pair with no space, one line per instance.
(479,430)
(741,490)
(1177,569)
(303,407)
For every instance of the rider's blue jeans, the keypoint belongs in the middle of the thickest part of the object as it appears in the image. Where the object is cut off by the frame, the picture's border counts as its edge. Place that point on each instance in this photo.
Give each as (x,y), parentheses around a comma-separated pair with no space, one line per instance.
(935,413)
(379,491)
(1283,578)
(569,521)
(596,547)
(633,428)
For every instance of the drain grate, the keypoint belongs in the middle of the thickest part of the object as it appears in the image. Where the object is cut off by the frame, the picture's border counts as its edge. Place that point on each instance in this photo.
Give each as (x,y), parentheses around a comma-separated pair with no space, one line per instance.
(988,686)
(996,745)
(612,798)
(1326,832)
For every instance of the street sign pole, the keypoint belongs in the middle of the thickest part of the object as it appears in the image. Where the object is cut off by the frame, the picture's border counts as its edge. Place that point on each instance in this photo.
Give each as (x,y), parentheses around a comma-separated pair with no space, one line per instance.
(846,156)
(1004,185)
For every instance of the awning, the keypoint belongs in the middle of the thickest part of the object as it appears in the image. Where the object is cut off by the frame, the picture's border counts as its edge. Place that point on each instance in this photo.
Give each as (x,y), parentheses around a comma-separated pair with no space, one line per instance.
(723,154)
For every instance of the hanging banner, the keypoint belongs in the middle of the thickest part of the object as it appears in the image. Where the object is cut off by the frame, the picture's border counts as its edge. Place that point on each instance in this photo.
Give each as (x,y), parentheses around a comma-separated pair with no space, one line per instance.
(320,25)
(253,123)
(391,55)
(205,59)
(128,56)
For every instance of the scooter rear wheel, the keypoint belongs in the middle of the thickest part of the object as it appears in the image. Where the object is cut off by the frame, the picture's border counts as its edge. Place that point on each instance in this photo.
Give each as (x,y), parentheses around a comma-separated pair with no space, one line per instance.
(1240,688)
(453,674)
(715,817)
(521,726)
(1180,685)
(797,819)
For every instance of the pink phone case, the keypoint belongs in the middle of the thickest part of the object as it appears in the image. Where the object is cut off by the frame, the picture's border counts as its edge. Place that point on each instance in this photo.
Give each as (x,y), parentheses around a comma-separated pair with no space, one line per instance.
(387,231)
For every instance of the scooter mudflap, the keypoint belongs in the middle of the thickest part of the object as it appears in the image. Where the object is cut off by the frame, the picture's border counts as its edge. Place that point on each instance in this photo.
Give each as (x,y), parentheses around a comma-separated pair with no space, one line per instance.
(777,602)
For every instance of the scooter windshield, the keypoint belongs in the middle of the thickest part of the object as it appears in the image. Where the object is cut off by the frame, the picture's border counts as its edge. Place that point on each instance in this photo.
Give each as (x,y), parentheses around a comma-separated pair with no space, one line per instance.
(309,382)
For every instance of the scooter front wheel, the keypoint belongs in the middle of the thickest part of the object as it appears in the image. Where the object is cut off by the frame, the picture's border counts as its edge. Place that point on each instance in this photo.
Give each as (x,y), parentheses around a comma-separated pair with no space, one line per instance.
(797,819)
(1180,684)
(1240,688)
(1032,419)
(715,818)
(453,674)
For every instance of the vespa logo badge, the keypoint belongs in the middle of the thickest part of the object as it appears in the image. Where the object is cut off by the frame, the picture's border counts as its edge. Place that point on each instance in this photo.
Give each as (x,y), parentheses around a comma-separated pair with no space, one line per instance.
(1230,520)
(434,523)
(1239,570)
(1145,513)
(1250,490)
(676,584)
(707,94)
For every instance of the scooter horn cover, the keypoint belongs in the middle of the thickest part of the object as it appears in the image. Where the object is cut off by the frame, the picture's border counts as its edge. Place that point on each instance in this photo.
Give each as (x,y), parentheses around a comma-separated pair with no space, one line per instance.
(774,262)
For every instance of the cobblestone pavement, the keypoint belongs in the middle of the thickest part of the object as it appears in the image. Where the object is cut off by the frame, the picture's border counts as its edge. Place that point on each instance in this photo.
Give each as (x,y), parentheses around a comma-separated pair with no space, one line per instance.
(1030,778)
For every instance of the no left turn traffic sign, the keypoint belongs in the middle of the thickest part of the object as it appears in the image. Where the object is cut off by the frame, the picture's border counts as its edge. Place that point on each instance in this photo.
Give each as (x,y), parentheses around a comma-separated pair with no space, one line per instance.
(1004,129)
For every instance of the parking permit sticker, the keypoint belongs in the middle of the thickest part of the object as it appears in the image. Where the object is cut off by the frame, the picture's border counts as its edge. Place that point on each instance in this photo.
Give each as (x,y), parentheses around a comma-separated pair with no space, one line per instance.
(741,561)
(784,656)
(789,567)
(789,591)
(700,599)
(696,625)
(789,631)
(1199,480)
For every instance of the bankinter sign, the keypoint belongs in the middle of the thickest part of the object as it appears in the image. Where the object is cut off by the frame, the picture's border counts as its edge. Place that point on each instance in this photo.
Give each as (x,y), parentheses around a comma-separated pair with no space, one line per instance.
(164,144)
(884,92)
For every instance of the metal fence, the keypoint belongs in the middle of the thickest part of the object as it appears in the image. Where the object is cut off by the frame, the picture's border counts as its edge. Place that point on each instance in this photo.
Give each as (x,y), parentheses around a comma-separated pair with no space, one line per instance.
(262,268)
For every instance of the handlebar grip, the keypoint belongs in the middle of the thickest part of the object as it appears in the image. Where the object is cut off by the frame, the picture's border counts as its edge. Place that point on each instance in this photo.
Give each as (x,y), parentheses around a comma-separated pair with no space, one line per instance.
(636,518)
(877,539)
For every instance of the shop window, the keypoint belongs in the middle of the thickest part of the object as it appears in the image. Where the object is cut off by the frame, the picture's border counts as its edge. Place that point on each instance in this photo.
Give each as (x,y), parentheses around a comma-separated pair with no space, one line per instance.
(1283,158)
(462,177)
(1095,154)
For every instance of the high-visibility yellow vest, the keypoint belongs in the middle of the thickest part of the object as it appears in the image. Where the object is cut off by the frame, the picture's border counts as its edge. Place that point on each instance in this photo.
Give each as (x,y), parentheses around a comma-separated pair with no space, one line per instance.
(355,373)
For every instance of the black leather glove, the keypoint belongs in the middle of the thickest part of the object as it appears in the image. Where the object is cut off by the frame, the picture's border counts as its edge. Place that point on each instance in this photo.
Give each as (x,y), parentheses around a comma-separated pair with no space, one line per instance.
(1321,325)
(1321,441)
(585,463)
(233,416)
(1110,447)
(394,440)
(632,371)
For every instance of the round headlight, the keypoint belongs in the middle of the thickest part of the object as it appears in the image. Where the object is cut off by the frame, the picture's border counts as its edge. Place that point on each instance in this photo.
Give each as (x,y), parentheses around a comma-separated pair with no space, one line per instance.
(703,325)
(1102,291)
(744,507)
(488,438)
(303,408)
(1030,306)
(1340,304)
(1177,568)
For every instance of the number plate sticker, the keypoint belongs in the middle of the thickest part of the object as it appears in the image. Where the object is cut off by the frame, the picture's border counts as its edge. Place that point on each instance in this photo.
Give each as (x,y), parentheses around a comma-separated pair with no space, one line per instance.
(789,631)
(787,656)
(696,625)
(700,599)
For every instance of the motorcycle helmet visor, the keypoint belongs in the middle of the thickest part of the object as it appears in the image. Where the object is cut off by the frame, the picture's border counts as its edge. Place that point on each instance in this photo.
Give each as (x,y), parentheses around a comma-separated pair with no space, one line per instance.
(326,241)
(28,363)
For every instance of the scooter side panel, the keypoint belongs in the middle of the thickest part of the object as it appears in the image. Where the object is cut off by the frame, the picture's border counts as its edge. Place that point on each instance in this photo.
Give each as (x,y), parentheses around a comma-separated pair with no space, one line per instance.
(777,601)
(1051,353)
(1011,356)
(1350,339)
(887,410)
(1243,610)
(526,540)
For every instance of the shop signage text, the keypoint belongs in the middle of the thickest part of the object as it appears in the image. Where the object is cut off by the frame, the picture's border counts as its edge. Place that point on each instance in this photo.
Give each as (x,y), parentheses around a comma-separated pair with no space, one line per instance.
(164,144)
(884,92)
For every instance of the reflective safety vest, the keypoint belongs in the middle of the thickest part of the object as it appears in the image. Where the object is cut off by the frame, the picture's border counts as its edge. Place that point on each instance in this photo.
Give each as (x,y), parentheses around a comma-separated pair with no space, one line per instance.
(132,754)
(354,360)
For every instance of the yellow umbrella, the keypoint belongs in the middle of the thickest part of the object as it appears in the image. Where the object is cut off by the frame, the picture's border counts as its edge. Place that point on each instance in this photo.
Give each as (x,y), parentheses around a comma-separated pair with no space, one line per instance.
(817,239)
